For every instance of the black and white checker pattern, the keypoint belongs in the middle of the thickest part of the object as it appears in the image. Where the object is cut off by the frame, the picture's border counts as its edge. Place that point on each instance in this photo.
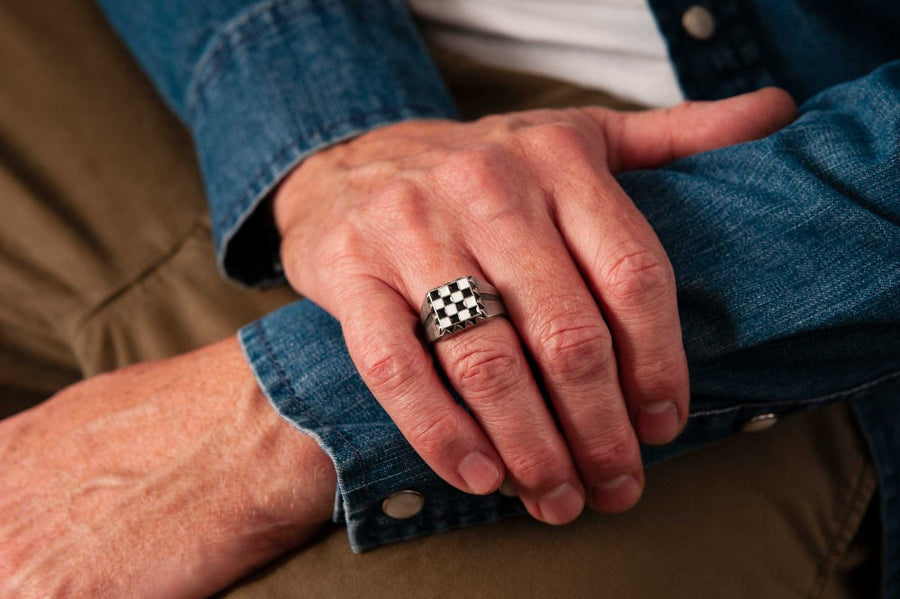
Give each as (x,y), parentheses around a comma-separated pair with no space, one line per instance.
(456,305)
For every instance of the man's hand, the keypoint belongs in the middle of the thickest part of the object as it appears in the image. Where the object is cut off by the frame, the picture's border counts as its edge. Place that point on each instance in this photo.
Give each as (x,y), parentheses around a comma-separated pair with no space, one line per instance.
(166,479)
(528,202)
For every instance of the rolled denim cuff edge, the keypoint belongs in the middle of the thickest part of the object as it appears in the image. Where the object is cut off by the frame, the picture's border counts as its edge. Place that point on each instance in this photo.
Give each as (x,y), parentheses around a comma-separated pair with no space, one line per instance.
(288,78)
(264,379)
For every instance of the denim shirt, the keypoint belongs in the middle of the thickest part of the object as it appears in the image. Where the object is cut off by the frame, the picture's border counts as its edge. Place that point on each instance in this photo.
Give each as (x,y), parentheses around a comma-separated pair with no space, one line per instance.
(786,250)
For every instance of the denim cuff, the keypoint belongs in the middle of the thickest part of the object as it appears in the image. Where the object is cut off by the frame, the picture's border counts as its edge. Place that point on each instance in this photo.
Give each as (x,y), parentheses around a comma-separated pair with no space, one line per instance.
(301,362)
(299,358)
(284,79)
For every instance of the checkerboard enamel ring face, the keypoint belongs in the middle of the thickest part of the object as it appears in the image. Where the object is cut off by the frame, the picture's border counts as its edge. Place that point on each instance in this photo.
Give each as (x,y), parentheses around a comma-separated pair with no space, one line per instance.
(454,306)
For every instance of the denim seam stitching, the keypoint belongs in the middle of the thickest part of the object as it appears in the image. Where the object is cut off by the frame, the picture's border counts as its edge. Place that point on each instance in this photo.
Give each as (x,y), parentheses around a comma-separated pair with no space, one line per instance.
(412,532)
(283,379)
(222,47)
(786,404)
(221,41)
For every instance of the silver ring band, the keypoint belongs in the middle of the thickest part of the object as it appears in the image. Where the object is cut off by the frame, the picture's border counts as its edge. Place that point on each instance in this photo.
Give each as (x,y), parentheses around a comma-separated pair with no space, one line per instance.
(457,305)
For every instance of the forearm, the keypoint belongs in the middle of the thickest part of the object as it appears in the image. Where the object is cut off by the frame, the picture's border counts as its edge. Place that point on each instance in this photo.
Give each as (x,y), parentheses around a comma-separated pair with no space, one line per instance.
(165,479)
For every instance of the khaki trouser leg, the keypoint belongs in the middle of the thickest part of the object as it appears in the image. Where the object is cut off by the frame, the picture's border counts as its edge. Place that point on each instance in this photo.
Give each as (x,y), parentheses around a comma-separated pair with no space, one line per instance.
(105,244)
(106,260)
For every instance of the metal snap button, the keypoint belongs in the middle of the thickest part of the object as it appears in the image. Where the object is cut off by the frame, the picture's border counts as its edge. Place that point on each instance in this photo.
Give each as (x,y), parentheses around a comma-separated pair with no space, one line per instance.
(699,22)
(403,504)
(759,423)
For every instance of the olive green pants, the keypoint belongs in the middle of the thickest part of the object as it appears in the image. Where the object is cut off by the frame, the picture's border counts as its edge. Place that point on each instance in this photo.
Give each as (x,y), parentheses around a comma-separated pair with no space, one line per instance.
(106,260)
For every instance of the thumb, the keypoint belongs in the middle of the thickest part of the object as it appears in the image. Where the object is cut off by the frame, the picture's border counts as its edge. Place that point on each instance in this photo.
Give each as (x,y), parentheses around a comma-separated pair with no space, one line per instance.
(650,138)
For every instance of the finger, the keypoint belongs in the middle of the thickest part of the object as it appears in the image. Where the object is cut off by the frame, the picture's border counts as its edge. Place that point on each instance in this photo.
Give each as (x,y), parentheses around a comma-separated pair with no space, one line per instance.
(488,368)
(559,320)
(401,375)
(650,138)
(630,275)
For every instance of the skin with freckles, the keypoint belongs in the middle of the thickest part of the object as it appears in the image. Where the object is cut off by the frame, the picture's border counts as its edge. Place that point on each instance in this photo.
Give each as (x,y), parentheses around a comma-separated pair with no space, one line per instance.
(526,201)
(165,479)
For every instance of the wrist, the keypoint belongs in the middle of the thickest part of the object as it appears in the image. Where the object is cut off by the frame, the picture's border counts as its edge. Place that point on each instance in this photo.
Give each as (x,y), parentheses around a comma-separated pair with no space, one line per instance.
(182,461)
(288,479)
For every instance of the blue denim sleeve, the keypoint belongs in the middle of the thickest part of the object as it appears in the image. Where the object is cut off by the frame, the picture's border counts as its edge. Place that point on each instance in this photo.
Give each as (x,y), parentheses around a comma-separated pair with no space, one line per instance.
(787,257)
(262,84)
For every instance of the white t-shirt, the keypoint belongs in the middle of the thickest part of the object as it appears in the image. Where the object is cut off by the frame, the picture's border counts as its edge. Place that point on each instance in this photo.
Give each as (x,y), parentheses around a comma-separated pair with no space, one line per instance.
(611,45)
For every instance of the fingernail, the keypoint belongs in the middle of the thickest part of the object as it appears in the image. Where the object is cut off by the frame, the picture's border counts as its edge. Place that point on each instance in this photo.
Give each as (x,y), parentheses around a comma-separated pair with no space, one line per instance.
(479,472)
(658,423)
(561,505)
(617,494)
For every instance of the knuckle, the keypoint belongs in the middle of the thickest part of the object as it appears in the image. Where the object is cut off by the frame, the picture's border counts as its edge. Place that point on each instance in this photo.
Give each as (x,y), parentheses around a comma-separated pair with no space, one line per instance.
(639,277)
(488,369)
(387,372)
(343,247)
(611,450)
(669,367)
(575,350)
(435,434)
(559,136)
(290,253)
(397,190)
(482,183)
(401,203)
(662,375)
(479,166)
(536,469)
(505,219)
